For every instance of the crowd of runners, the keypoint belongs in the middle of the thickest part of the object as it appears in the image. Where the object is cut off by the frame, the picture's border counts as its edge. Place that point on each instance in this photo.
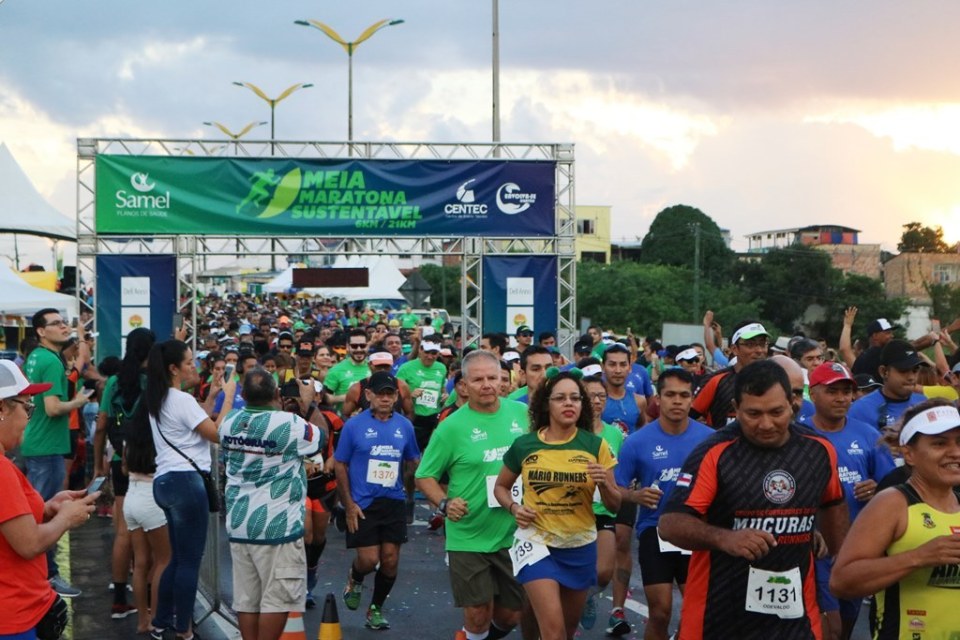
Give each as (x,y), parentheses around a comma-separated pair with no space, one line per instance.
(783,486)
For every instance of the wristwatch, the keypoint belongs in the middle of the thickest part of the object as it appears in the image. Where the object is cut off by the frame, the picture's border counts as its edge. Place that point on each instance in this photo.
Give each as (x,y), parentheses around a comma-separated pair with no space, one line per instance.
(442,507)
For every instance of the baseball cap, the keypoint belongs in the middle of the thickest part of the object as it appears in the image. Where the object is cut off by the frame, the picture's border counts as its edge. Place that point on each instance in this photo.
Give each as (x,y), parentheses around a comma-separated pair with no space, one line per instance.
(382,381)
(865,381)
(524,329)
(446,352)
(429,347)
(380,358)
(284,320)
(687,355)
(899,354)
(245,329)
(748,331)
(931,422)
(878,325)
(304,348)
(592,370)
(956,368)
(829,373)
(582,347)
(510,356)
(13,383)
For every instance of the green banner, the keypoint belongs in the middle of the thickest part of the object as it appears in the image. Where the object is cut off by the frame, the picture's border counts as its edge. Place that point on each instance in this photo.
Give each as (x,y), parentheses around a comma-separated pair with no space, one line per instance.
(144,195)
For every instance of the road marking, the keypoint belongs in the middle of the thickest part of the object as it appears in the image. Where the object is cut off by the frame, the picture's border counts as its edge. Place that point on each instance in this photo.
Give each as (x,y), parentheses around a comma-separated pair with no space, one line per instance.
(636,607)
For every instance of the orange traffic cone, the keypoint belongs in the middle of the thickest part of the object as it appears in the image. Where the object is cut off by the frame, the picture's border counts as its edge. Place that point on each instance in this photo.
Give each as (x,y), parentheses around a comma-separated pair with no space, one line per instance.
(461,635)
(330,622)
(294,630)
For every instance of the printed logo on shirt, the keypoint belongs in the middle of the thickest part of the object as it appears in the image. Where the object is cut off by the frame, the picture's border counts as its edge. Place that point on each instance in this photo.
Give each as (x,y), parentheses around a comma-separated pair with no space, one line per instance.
(779,486)
(659,452)
(515,427)
(684,480)
(385,450)
(477,434)
(945,576)
(669,475)
(578,459)
(370,433)
(493,455)
(398,433)
(928,522)
(855,449)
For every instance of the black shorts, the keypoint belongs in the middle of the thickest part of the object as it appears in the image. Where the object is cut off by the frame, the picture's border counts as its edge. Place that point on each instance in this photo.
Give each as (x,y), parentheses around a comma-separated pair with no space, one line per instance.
(120,480)
(605,523)
(423,427)
(385,520)
(627,514)
(658,567)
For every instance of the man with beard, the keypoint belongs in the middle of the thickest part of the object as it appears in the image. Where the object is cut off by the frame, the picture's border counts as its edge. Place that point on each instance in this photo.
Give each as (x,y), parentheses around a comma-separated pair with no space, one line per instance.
(349,370)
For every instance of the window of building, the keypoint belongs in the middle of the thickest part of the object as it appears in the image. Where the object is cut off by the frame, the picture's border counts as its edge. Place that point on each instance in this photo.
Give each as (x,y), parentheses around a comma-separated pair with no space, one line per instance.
(946,273)
(593,256)
(586,227)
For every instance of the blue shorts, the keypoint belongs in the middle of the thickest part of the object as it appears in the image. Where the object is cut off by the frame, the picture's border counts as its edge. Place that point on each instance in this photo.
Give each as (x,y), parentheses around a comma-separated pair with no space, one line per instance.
(574,568)
(30,634)
(849,609)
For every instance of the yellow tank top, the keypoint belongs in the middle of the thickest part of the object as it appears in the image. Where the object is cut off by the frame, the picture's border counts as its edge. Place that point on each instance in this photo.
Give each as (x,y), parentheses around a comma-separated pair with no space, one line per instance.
(925,604)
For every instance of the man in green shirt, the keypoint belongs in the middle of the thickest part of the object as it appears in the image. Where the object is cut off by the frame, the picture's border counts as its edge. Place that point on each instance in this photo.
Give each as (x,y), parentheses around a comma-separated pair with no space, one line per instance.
(426,378)
(533,363)
(409,320)
(351,369)
(468,447)
(47,437)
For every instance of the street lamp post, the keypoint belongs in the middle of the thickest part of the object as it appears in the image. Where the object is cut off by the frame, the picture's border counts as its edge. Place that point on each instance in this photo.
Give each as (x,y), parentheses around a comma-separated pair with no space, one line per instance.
(349,48)
(273,102)
(235,136)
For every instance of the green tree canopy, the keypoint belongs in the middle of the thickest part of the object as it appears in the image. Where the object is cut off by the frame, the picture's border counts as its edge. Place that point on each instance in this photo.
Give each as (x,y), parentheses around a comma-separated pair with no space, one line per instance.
(670,241)
(917,238)
(868,295)
(437,277)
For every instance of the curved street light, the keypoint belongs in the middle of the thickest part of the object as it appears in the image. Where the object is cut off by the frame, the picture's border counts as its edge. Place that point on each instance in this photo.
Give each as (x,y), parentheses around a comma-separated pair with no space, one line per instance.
(235,136)
(349,47)
(273,102)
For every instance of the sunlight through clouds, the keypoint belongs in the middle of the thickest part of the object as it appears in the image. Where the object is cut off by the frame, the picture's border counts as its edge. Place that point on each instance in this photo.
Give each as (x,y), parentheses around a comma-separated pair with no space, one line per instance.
(935,127)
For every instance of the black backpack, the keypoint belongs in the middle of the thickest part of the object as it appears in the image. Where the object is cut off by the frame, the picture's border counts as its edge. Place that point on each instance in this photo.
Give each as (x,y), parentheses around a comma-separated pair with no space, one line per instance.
(117,425)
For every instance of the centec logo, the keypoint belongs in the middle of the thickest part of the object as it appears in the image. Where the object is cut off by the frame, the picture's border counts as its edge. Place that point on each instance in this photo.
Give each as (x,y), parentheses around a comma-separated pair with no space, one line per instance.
(511,200)
(466,204)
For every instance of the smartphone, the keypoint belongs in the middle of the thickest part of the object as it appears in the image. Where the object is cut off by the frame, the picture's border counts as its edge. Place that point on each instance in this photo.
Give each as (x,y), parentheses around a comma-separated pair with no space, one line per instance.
(88,392)
(228,372)
(95,484)
(177,321)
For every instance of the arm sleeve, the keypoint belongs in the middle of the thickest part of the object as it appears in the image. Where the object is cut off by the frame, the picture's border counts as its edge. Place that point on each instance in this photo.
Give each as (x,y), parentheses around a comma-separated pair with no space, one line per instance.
(719,359)
(605,456)
(697,484)
(833,491)
(625,471)
(701,404)
(14,503)
(344,443)
(436,459)
(511,459)
(193,414)
(311,438)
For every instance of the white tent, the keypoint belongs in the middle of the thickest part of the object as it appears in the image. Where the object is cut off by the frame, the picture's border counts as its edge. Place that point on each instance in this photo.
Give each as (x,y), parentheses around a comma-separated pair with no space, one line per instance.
(23,209)
(385,280)
(18,298)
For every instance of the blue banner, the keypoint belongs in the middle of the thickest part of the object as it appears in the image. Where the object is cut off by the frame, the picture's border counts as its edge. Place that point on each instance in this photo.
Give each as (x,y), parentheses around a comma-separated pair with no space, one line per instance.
(520,291)
(144,195)
(132,292)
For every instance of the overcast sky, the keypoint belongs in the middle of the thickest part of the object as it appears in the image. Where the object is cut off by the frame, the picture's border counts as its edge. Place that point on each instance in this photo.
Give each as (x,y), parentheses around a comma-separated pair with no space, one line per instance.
(762,114)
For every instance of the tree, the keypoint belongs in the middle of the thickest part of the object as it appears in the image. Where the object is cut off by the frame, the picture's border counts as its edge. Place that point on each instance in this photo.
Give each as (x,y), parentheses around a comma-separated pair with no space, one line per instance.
(671,239)
(787,281)
(438,276)
(868,296)
(917,238)
(945,302)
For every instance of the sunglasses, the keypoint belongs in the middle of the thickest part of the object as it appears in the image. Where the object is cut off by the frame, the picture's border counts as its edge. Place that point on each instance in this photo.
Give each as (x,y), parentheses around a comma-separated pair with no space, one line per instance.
(26,404)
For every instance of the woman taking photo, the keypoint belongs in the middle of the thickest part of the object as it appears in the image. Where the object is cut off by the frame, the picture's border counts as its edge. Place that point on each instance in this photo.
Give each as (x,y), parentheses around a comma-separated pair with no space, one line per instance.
(905,544)
(181,435)
(562,462)
(28,527)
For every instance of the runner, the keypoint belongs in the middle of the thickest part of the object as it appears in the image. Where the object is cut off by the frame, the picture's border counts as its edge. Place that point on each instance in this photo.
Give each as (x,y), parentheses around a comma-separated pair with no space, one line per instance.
(356,399)
(346,372)
(899,367)
(373,446)
(468,448)
(648,467)
(524,338)
(745,501)
(534,362)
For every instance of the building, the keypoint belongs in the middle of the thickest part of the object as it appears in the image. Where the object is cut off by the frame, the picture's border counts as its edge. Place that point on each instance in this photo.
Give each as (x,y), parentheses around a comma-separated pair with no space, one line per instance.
(841,243)
(593,233)
(908,275)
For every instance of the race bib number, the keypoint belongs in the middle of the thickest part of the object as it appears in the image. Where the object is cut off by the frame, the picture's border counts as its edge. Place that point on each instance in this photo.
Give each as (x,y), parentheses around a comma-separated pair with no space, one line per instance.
(383,472)
(516,491)
(775,593)
(526,552)
(429,398)
(667,547)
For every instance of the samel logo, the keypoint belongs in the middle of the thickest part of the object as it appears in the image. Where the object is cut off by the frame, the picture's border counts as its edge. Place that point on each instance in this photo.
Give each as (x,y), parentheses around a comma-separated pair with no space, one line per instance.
(141,182)
(144,201)
(511,200)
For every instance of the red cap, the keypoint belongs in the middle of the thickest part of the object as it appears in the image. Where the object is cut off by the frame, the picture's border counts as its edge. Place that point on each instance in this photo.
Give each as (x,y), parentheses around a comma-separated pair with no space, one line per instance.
(829,373)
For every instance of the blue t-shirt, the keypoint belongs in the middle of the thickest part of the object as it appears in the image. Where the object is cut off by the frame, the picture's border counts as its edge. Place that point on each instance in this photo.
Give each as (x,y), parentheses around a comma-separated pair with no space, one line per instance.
(860,457)
(719,359)
(879,411)
(374,452)
(639,381)
(806,413)
(650,456)
(238,401)
(399,361)
(622,413)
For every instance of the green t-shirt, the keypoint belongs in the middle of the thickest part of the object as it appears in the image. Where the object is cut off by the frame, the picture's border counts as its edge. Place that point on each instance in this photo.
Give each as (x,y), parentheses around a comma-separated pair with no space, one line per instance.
(343,374)
(469,446)
(431,380)
(46,436)
(409,320)
(517,394)
(614,439)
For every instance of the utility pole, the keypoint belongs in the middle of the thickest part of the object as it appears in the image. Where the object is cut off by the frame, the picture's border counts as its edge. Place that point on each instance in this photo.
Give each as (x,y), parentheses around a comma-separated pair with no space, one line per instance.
(696,272)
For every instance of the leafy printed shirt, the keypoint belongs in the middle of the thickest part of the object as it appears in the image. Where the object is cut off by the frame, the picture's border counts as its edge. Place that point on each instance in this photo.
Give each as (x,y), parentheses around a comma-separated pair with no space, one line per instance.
(266,483)
(557,486)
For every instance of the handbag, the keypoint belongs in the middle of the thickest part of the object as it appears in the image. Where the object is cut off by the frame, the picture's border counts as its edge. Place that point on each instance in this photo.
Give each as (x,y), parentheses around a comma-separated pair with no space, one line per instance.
(53,622)
(209,484)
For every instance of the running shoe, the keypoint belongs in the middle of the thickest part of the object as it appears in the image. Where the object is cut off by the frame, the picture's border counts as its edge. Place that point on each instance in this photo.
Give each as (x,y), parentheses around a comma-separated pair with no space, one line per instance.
(121,611)
(64,588)
(352,592)
(311,602)
(589,616)
(617,625)
(375,619)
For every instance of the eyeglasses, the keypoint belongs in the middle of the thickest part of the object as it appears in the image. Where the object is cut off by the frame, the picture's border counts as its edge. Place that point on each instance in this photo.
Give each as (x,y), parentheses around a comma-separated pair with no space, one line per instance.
(597,396)
(26,404)
(354,345)
(56,323)
(575,398)
(753,344)
(798,392)
(525,333)
(285,347)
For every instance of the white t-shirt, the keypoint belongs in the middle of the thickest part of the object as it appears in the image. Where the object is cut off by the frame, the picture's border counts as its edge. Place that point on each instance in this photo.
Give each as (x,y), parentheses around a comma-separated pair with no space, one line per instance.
(180,416)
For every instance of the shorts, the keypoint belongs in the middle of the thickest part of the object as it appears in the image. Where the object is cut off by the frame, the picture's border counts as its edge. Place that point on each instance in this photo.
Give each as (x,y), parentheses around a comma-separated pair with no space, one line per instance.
(659,567)
(477,578)
(605,522)
(385,520)
(269,578)
(627,514)
(574,568)
(322,505)
(423,427)
(119,480)
(140,510)
(849,609)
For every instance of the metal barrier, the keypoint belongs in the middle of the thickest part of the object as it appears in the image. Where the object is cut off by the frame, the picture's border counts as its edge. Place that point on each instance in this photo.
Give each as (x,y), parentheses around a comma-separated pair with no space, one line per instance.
(208,587)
